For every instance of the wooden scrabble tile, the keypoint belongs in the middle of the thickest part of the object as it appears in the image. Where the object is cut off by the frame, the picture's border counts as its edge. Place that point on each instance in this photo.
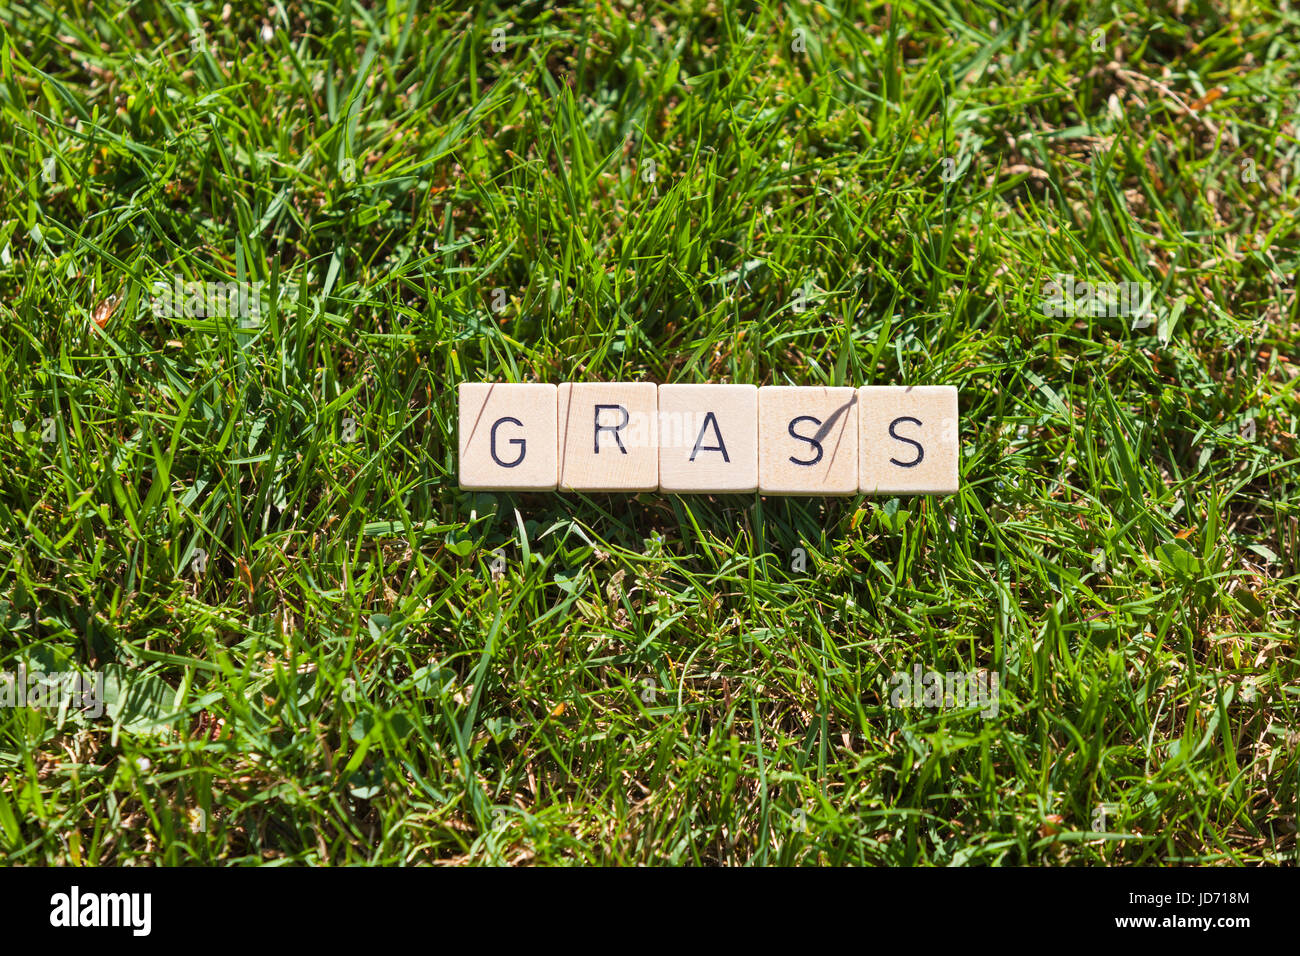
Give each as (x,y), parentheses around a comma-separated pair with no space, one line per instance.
(909,439)
(807,440)
(608,439)
(708,439)
(507,437)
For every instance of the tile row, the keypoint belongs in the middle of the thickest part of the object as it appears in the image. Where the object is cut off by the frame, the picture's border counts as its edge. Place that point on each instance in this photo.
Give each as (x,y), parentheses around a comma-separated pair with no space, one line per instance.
(709,439)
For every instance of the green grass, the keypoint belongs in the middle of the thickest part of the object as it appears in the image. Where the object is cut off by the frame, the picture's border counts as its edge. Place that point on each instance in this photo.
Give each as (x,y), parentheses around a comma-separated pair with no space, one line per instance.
(649,678)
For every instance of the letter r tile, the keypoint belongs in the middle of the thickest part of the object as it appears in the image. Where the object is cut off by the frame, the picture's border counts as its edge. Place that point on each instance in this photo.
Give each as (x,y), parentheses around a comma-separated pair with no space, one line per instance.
(608,436)
(507,437)
(807,440)
(910,442)
(708,439)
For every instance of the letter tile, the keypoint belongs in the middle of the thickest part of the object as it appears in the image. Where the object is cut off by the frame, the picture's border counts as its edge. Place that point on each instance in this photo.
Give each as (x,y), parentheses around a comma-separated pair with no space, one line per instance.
(608,438)
(807,440)
(507,437)
(708,439)
(909,442)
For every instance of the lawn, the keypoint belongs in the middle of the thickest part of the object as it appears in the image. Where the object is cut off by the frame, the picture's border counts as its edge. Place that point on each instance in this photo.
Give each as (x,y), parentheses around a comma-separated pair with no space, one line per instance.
(244,519)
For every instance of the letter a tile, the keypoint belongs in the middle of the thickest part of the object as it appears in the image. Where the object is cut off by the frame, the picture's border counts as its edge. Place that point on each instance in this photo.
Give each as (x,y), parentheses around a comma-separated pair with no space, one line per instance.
(909,440)
(609,439)
(708,439)
(807,441)
(507,437)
